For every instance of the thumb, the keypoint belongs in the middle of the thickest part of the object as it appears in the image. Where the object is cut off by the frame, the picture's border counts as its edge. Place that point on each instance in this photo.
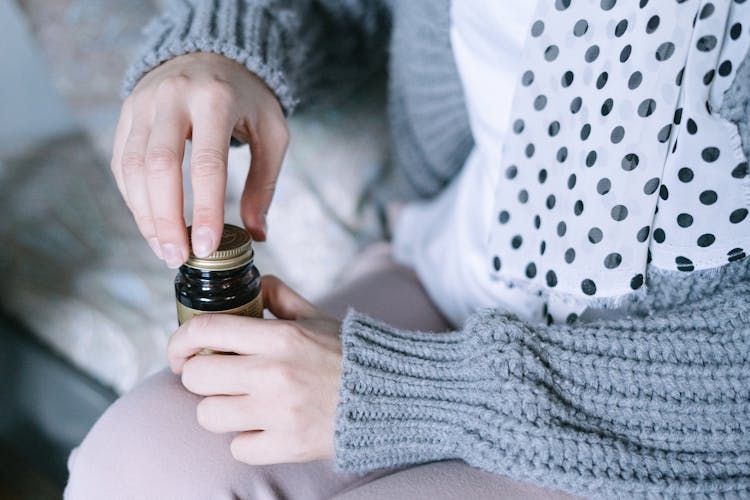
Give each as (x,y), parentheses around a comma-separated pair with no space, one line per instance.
(285,303)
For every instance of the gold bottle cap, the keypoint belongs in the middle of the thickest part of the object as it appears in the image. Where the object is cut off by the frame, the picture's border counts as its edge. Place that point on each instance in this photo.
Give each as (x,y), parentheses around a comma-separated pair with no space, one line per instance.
(235,250)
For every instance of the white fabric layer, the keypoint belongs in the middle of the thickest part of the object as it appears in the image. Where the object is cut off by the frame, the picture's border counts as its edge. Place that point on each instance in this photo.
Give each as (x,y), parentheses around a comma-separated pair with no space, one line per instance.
(445,239)
(612,159)
(617,158)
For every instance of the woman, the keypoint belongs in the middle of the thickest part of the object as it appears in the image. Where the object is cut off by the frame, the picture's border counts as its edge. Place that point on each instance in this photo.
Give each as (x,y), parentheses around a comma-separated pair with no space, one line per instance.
(588,251)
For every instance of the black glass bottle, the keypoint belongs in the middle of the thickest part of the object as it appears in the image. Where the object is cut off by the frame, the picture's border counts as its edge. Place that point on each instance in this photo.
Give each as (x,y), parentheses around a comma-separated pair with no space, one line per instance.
(226,281)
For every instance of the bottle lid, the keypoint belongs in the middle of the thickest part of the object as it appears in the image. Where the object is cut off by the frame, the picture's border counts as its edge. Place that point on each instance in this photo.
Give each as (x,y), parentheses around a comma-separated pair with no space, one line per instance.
(235,250)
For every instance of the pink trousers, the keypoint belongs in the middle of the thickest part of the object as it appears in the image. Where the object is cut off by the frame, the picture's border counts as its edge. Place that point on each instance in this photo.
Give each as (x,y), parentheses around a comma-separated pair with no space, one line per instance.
(148,444)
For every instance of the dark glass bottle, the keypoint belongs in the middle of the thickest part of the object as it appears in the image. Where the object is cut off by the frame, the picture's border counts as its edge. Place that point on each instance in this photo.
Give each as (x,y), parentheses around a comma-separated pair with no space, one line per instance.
(226,281)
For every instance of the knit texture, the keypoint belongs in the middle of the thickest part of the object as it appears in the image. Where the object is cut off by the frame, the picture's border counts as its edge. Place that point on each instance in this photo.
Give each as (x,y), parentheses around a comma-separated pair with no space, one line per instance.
(641,406)
(304,50)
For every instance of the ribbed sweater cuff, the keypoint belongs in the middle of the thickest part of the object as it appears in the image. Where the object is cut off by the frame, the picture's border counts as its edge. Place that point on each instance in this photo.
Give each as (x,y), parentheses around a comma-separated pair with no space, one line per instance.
(246,36)
(405,396)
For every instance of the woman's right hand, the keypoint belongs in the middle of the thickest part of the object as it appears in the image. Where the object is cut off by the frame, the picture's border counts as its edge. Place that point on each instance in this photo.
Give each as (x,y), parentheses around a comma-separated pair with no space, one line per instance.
(206,98)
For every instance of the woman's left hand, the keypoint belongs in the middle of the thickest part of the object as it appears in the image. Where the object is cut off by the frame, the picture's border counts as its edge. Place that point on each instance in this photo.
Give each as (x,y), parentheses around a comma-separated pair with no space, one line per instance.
(279,391)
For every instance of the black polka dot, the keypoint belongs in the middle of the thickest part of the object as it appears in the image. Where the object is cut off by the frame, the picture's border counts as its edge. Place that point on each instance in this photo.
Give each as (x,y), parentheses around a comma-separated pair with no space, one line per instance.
(636,282)
(725,68)
(683,263)
(496,263)
(740,171)
(651,185)
(735,31)
(530,149)
(678,78)
(595,235)
(572,317)
(663,192)
(551,279)
(572,181)
(617,134)
(575,105)
(706,43)
(621,27)
(562,154)
(738,215)
(601,81)
(527,78)
(518,126)
(692,127)
(603,186)
(537,28)
(607,106)
(677,118)
(708,78)
(523,196)
(550,202)
(578,207)
(570,255)
(516,241)
(591,53)
(553,128)
(659,235)
(561,228)
(531,270)
(664,133)
(685,174)
(511,172)
(652,24)
(735,254)
(551,53)
(635,80)
(580,28)
(562,4)
(630,162)
(707,10)
(542,176)
(537,221)
(567,79)
(588,287)
(708,197)
(646,107)
(706,240)
(643,233)
(607,4)
(540,102)
(619,212)
(612,260)
(710,154)
(625,53)
(585,132)
(664,51)
(684,220)
(591,158)
(503,217)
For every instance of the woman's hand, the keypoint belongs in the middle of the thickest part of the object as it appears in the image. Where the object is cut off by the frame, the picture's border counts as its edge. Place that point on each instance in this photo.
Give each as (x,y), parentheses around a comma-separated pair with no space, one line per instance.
(279,391)
(207,98)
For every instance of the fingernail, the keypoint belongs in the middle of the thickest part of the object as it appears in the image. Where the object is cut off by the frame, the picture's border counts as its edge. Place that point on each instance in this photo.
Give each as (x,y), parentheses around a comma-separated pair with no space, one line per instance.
(172,256)
(203,241)
(154,244)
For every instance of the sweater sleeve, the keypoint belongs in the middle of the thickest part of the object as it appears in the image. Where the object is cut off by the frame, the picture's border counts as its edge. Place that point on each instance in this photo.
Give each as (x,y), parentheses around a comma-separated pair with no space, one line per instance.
(624,408)
(302,49)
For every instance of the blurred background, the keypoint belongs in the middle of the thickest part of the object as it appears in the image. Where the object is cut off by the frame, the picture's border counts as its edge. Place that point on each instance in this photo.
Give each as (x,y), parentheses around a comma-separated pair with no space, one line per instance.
(85,308)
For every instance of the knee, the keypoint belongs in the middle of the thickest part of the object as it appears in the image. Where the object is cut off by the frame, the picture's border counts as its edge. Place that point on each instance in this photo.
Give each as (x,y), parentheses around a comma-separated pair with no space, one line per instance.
(146,445)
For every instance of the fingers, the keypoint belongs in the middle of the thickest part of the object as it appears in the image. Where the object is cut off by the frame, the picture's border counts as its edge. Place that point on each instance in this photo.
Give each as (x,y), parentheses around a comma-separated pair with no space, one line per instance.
(121,135)
(285,303)
(166,147)
(267,447)
(226,333)
(218,374)
(208,172)
(268,147)
(230,414)
(133,169)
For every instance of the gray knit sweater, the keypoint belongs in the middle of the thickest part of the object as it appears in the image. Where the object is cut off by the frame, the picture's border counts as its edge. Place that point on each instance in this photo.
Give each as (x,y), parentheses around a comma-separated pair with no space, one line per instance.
(653,403)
